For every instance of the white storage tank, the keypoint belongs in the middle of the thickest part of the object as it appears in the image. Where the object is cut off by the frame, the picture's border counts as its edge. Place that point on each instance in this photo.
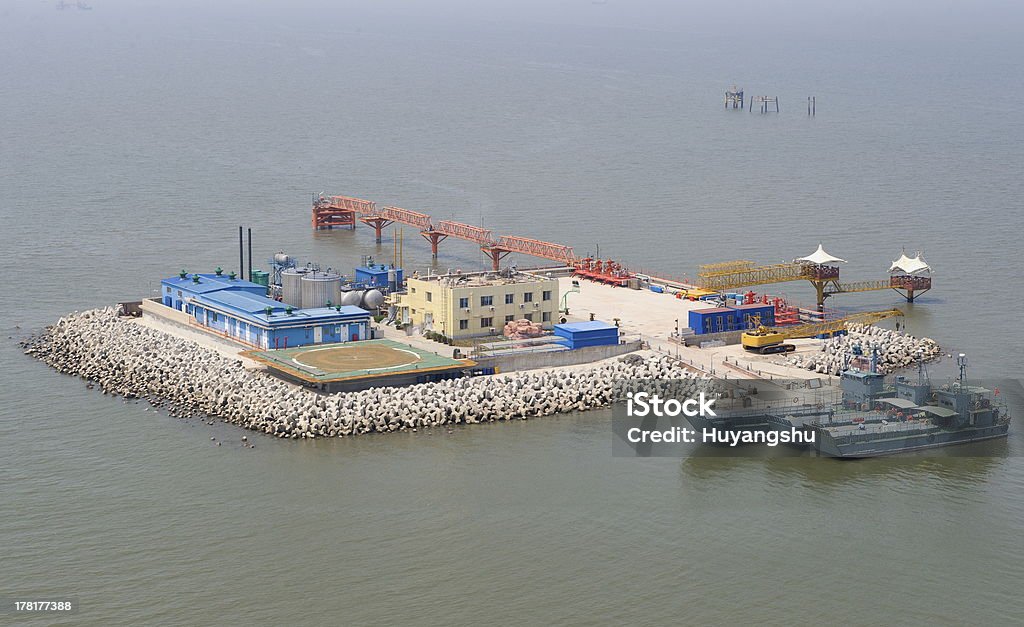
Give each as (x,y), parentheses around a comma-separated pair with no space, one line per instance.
(372,299)
(319,288)
(291,286)
(352,298)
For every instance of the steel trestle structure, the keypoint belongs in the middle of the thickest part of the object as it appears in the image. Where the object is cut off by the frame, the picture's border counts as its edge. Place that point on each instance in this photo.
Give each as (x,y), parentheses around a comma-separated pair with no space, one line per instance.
(342,211)
(533,247)
(332,211)
(825,279)
(339,211)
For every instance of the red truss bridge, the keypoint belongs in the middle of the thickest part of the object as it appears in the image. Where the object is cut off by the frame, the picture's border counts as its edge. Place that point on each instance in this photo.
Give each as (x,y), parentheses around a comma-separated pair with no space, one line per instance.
(343,211)
(910,276)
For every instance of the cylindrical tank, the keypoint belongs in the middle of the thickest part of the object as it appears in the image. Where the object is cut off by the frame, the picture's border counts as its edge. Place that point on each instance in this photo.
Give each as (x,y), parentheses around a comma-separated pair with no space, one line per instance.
(372,299)
(318,288)
(282,259)
(291,286)
(392,280)
(352,298)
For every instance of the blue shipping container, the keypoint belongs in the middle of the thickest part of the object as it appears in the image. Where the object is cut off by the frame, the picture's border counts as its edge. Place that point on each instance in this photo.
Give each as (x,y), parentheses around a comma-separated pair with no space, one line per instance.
(748,316)
(713,320)
(592,333)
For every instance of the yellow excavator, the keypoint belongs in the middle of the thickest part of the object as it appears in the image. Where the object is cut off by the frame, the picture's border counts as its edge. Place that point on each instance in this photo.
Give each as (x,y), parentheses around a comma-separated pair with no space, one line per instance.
(769,340)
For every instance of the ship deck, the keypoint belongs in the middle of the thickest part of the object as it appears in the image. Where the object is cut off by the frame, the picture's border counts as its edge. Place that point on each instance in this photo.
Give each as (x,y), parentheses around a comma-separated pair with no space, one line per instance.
(848,423)
(902,427)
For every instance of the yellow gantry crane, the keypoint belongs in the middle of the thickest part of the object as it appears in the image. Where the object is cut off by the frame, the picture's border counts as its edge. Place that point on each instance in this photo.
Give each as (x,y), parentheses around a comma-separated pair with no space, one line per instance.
(767,340)
(727,275)
(743,273)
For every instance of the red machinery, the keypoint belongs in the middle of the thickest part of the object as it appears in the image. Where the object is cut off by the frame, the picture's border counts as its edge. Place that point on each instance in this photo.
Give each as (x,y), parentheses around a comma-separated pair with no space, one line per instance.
(606,271)
(784,314)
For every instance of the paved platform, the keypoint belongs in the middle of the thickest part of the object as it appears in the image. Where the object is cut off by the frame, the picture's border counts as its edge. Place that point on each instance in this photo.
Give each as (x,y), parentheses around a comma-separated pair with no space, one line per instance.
(652,317)
(355,360)
(641,312)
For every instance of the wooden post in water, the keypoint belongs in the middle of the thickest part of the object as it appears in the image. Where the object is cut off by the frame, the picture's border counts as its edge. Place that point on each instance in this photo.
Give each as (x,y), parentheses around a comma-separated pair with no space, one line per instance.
(764,101)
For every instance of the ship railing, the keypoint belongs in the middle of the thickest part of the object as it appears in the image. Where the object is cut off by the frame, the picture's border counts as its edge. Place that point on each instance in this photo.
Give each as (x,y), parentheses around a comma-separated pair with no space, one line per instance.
(876,430)
(776,410)
(1000,406)
(857,416)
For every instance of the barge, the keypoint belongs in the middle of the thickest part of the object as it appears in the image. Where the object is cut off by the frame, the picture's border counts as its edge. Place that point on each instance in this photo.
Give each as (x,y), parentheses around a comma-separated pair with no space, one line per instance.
(876,418)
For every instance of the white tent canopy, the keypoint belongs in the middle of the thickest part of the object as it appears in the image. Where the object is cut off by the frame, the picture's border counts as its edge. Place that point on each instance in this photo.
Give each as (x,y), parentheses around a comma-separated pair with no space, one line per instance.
(820,257)
(909,265)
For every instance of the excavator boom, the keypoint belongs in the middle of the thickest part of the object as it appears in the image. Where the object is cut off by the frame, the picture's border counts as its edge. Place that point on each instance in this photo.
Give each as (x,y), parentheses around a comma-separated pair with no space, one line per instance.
(813,329)
(766,340)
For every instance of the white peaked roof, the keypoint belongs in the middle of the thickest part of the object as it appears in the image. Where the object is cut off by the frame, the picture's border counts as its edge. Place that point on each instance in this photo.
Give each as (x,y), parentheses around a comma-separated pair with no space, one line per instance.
(909,265)
(820,257)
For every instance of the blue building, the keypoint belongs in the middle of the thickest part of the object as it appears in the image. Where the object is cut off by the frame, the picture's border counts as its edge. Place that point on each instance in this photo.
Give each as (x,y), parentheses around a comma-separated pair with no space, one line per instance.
(750,316)
(240,310)
(582,334)
(712,320)
(734,318)
(376,275)
(175,291)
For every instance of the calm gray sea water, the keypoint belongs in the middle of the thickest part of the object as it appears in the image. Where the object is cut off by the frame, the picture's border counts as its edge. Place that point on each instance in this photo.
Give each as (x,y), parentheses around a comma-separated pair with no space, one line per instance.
(133,141)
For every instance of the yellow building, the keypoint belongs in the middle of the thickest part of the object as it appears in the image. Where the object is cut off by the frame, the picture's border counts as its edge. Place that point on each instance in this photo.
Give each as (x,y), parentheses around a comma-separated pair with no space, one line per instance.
(477,304)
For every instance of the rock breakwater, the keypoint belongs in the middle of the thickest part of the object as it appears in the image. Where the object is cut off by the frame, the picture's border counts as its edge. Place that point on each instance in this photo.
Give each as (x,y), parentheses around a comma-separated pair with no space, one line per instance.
(895,350)
(135,361)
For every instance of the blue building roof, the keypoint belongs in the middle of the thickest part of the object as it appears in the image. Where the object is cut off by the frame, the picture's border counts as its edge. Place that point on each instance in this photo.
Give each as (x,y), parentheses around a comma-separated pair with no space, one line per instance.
(592,325)
(253,308)
(210,283)
(247,301)
(374,270)
(244,302)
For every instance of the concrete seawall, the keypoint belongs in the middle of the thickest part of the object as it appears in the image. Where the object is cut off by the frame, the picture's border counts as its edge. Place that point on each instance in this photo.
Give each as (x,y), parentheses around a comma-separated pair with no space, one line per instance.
(154,307)
(137,361)
(556,359)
